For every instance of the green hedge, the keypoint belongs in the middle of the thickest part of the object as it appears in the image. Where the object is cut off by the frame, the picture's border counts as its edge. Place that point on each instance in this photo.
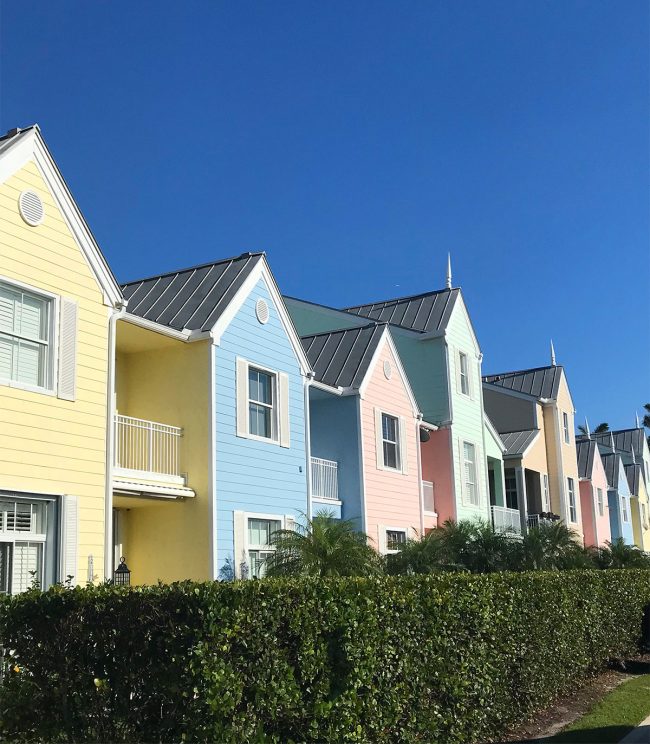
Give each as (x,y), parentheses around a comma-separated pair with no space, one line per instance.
(443,658)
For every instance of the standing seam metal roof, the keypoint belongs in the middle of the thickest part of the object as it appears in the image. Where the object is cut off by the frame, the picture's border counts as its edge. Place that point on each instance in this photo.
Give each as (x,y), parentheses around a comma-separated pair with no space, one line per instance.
(624,440)
(586,451)
(192,298)
(633,473)
(517,442)
(541,382)
(341,358)
(424,313)
(611,464)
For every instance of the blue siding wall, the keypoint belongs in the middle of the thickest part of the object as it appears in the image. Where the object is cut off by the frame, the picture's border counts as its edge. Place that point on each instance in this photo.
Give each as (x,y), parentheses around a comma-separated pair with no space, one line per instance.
(334,434)
(617,526)
(252,475)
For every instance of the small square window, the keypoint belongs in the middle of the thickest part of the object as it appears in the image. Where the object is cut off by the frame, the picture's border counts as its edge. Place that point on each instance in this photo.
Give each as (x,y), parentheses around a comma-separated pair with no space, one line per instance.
(395,539)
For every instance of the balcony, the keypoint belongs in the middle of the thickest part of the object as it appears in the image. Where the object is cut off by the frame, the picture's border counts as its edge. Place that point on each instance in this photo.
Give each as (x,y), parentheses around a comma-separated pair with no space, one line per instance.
(324,479)
(506,520)
(147,449)
(537,520)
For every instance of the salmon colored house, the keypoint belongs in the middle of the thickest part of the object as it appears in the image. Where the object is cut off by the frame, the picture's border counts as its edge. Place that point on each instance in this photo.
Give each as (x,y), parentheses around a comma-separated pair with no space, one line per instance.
(365,430)
(593,493)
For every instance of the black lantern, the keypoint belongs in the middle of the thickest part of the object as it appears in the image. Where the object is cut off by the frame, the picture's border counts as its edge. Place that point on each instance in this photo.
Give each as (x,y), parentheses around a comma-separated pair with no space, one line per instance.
(122,575)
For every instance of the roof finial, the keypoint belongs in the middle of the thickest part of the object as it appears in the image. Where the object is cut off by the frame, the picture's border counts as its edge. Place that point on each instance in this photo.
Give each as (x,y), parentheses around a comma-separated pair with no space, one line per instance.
(552,353)
(449,271)
(638,423)
(588,433)
(611,441)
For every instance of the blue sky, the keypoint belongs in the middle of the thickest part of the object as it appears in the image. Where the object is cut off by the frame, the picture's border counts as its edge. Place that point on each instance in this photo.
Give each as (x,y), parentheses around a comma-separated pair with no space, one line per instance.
(357,143)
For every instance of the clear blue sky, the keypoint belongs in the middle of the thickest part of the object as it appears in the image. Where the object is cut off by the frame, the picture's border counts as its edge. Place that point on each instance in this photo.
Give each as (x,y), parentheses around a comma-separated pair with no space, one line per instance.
(357,143)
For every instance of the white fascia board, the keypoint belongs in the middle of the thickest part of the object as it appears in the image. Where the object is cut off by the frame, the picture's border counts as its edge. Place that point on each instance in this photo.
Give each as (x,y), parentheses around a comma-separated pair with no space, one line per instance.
(151,325)
(31,146)
(327,388)
(262,271)
(373,362)
(495,434)
(426,425)
(532,442)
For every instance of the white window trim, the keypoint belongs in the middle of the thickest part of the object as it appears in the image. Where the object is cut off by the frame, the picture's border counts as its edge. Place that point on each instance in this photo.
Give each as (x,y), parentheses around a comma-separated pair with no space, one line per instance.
(275,407)
(566,430)
(477,459)
(600,502)
(385,530)
(402,448)
(570,491)
(546,492)
(279,438)
(14,536)
(459,355)
(282,518)
(53,360)
(625,511)
(427,513)
(397,442)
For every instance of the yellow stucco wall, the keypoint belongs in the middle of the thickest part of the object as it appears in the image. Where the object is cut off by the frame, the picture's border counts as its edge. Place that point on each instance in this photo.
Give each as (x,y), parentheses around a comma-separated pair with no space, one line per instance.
(167,540)
(48,445)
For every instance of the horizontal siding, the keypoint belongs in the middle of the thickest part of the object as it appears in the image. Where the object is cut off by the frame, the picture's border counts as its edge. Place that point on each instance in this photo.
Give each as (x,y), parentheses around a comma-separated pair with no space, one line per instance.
(46,444)
(256,476)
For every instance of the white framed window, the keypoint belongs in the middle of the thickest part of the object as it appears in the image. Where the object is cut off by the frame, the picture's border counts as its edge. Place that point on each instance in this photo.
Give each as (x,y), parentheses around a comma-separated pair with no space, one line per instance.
(258,538)
(565,427)
(26,337)
(624,510)
(395,538)
(390,441)
(23,530)
(601,502)
(429,504)
(545,493)
(470,484)
(573,514)
(463,373)
(512,499)
(262,403)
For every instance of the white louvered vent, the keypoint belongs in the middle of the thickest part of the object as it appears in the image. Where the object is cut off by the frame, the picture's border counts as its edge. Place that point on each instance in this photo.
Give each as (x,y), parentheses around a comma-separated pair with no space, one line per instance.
(388,370)
(31,208)
(262,311)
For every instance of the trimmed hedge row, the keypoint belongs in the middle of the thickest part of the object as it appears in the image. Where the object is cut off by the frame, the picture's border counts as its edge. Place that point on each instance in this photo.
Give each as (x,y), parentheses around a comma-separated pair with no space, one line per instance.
(443,658)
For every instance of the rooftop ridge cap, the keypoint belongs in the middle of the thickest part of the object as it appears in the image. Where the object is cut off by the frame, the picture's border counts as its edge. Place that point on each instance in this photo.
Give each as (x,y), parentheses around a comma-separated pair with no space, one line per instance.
(401,299)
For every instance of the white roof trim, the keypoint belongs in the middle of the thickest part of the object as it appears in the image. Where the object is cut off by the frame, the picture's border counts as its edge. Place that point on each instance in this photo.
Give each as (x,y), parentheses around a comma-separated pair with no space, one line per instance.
(151,325)
(29,145)
(143,489)
(495,434)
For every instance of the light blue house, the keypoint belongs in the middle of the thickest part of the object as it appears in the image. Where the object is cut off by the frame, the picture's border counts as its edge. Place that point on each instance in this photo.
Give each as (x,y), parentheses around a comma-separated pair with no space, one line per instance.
(618,498)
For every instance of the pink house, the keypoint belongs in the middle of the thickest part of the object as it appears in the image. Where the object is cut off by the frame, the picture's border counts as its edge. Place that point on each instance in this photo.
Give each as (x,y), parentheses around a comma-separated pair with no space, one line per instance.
(593,493)
(361,392)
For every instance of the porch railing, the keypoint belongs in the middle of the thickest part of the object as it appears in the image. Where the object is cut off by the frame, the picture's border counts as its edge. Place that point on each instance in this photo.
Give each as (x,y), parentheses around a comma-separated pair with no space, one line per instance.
(535,520)
(147,446)
(506,520)
(324,478)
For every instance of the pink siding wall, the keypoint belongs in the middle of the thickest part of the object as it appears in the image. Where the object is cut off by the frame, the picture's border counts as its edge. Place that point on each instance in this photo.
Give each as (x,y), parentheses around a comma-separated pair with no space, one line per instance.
(436,468)
(392,498)
(599,480)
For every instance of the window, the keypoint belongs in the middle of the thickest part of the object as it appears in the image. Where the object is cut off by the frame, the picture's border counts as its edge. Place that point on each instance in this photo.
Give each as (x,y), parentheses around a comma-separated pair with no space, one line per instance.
(565,425)
(626,517)
(427,497)
(512,501)
(573,514)
(546,495)
(22,543)
(469,471)
(601,502)
(463,370)
(261,403)
(25,337)
(259,537)
(390,441)
(394,539)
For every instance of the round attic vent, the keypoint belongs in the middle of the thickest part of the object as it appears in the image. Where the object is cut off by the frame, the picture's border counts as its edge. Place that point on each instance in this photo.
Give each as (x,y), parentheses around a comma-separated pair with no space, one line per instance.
(262,311)
(31,208)
(388,370)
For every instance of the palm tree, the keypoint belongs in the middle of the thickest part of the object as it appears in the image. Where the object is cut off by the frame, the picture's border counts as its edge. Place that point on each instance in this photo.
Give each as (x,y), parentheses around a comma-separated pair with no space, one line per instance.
(618,554)
(600,429)
(325,546)
(423,555)
(549,546)
(475,546)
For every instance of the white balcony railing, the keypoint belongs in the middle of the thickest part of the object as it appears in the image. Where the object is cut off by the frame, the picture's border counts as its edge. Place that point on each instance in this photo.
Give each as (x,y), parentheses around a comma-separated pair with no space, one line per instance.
(324,479)
(506,520)
(535,520)
(147,446)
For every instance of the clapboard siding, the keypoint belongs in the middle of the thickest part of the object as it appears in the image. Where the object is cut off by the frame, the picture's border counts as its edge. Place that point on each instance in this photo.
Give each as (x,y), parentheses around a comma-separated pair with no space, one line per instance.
(48,445)
(251,475)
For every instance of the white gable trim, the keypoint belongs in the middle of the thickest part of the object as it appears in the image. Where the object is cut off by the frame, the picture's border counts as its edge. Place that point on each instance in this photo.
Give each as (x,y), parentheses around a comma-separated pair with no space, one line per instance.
(495,434)
(262,271)
(30,145)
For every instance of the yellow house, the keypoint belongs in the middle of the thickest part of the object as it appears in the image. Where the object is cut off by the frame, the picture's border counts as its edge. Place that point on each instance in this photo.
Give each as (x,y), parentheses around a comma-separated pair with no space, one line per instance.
(639,504)
(58,307)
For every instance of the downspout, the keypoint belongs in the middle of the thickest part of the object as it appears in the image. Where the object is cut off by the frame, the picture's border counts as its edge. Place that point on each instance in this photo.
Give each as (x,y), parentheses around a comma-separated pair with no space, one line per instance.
(307,385)
(116,314)
(421,487)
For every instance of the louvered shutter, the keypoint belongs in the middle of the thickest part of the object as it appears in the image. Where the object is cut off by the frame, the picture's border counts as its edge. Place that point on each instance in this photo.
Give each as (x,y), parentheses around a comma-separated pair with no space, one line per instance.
(379,440)
(242,398)
(289,522)
(69,537)
(404,434)
(283,403)
(68,322)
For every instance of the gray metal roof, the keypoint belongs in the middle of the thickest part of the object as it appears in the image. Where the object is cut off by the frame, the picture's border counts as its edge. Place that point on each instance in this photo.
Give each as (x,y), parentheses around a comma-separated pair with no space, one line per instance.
(192,298)
(425,312)
(517,442)
(611,463)
(634,474)
(541,382)
(586,451)
(624,440)
(341,358)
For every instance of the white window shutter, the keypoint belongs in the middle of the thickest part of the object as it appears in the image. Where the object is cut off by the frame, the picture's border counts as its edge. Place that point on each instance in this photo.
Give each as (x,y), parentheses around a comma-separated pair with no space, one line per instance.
(68,322)
(289,522)
(461,470)
(69,538)
(283,403)
(239,537)
(403,446)
(242,397)
(381,541)
(379,440)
